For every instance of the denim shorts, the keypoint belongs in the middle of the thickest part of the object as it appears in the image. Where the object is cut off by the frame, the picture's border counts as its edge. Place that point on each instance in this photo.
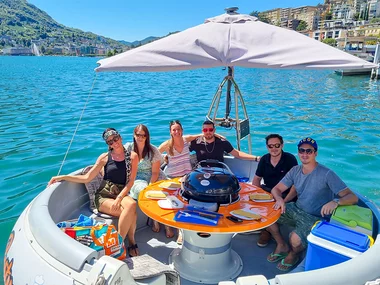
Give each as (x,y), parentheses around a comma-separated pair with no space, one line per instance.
(298,218)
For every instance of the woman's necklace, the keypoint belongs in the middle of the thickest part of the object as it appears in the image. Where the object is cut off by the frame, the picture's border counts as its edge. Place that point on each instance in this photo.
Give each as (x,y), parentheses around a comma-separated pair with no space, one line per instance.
(178,147)
(213,146)
(118,156)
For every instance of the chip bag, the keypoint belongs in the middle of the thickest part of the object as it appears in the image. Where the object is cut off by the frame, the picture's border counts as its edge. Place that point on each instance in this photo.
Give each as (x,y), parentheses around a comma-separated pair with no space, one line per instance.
(106,238)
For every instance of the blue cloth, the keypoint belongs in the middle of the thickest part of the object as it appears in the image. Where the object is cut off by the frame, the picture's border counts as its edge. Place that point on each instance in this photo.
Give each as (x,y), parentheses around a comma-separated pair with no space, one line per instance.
(85,221)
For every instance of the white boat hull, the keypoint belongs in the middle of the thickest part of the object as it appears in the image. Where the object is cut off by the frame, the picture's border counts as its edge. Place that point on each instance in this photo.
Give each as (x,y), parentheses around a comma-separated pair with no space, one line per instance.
(40,253)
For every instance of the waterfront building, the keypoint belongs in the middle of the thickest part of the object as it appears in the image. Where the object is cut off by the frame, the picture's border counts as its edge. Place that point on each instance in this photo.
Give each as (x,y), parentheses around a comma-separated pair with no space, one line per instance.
(373,9)
(342,11)
(309,14)
(17,51)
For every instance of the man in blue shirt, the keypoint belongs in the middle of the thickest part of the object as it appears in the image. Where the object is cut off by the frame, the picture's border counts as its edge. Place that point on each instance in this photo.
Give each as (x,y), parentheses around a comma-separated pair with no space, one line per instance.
(272,168)
(319,190)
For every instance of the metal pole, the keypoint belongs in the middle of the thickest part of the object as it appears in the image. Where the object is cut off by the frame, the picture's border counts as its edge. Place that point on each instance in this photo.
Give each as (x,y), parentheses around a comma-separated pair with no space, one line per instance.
(228,99)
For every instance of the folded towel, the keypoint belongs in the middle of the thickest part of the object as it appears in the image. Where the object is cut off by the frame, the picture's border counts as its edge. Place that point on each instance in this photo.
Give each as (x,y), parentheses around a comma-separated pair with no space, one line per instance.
(261,196)
(246,214)
(169,184)
(156,194)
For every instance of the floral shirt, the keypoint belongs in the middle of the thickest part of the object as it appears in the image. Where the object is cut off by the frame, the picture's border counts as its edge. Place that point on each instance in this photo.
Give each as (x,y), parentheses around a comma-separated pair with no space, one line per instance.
(144,170)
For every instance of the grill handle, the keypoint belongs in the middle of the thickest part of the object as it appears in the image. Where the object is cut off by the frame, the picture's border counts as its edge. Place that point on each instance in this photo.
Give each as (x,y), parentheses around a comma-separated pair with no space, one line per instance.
(213,163)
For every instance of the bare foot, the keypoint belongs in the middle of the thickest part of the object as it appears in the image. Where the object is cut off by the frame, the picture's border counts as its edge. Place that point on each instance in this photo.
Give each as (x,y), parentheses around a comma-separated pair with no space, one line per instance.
(280,248)
(156,227)
(169,232)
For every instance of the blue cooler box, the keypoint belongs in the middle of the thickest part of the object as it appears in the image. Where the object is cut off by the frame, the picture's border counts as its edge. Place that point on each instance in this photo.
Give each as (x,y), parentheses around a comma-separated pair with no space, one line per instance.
(331,244)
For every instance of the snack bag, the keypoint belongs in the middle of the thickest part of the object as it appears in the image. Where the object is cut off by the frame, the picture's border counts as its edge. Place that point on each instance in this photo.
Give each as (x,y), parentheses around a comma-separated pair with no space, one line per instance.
(106,238)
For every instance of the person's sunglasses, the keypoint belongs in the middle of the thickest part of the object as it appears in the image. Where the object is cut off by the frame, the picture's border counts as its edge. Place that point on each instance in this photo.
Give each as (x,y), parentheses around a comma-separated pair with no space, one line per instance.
(175,122)
(205,130)
(111,141)
(307,150)
(276,145)
(140,136)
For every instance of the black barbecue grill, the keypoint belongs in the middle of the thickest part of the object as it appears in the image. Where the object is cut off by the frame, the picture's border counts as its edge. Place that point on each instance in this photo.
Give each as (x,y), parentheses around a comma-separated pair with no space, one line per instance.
(211,181)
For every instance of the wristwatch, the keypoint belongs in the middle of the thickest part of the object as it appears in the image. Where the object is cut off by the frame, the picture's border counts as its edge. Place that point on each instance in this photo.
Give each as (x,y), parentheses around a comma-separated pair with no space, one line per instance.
(337,201)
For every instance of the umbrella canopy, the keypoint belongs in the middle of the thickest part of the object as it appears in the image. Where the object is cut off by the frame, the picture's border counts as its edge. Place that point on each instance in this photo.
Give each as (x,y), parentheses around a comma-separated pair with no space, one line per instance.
(233,40)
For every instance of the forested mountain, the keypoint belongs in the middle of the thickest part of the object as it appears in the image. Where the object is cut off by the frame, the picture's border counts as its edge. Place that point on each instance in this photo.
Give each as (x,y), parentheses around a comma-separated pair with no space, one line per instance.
(22,22)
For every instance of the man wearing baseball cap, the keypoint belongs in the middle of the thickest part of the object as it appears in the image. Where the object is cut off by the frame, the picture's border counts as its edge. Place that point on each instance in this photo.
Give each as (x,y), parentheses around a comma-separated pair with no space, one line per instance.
(319,190)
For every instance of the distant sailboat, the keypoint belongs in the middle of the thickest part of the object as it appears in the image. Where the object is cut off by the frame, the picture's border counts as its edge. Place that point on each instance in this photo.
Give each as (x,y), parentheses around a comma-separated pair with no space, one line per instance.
(35,50)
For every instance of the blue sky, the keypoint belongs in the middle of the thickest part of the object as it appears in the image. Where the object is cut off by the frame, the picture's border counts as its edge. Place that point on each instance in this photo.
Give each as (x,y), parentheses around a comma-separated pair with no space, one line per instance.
(136,20)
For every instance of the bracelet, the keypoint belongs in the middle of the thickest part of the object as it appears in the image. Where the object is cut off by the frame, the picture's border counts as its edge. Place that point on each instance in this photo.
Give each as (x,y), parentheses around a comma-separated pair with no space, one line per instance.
(120,197)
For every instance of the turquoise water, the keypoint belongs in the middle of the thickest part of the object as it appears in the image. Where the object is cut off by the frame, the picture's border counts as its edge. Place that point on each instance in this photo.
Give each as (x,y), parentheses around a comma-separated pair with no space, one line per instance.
(42,99)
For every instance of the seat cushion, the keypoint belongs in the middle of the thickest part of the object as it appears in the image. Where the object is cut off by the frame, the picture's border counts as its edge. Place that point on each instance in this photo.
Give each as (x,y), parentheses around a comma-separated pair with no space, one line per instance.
(92,186)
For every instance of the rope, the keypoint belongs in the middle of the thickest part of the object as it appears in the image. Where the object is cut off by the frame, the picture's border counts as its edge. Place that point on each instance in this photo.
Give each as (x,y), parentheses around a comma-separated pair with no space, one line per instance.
(80,118)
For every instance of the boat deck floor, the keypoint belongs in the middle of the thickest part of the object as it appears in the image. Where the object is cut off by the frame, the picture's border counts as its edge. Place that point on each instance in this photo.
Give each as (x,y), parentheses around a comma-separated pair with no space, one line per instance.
(158,246)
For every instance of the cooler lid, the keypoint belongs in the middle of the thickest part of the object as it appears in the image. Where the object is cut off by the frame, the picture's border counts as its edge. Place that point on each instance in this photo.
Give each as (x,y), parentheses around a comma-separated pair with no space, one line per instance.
(342,236)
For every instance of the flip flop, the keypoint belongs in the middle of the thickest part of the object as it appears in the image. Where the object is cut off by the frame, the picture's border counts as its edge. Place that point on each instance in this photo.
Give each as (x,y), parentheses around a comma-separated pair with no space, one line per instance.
(274,257)
(134,248)
(180,238)
(286,266)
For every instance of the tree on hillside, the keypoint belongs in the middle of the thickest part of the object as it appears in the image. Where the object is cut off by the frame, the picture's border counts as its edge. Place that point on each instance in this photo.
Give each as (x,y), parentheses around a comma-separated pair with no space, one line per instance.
(260,16)
(328,16)
(374,20)
(254,13)
(302,26)
(330,42)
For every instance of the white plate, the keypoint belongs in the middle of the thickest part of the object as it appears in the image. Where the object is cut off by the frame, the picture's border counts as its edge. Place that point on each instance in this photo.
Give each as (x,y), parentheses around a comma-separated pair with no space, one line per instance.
(147,193)
(243,217)
(163,184)
(262,201)
(171,202)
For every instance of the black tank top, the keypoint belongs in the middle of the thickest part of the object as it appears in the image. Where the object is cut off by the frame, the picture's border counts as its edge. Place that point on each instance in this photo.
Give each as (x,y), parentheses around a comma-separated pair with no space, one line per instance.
(115,171)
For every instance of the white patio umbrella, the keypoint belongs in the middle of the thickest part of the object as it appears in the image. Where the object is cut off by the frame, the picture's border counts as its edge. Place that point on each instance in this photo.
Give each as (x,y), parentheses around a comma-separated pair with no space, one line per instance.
(233,40)
(230,40)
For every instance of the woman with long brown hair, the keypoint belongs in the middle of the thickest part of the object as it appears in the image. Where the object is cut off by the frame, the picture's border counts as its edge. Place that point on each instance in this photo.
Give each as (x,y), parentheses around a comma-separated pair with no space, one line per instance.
(149,166)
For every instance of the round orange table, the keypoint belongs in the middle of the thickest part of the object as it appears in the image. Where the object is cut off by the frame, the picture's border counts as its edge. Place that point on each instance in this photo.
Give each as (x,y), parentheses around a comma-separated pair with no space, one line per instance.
(206,255)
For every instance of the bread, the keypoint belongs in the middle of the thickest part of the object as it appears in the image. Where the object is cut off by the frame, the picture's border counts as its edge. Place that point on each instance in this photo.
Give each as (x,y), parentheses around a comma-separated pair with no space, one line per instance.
(169,184)
(261,196)
(156,195)
(246,214)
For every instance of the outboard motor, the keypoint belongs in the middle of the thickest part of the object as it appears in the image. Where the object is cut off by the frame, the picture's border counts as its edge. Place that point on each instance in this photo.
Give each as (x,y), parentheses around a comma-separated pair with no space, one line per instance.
(211,181)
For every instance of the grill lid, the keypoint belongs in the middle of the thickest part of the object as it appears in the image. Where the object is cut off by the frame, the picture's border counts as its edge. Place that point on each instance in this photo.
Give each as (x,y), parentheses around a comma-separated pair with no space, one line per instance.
(212,181)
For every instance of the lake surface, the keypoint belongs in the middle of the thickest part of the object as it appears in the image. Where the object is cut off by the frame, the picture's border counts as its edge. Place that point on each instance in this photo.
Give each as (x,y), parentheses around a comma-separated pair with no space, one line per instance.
(42,100)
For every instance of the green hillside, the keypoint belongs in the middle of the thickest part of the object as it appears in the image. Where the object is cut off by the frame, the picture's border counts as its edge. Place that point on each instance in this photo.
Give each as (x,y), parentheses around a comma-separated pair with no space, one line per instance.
(22,22)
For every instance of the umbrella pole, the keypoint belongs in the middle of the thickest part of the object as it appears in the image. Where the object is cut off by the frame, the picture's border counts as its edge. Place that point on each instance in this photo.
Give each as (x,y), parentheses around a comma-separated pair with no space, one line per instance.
(228,99)
(241,125)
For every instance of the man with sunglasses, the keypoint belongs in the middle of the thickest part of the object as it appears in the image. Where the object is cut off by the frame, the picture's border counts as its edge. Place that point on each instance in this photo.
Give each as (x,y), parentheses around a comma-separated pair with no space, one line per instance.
(319,190)
(272,168)
(209,146)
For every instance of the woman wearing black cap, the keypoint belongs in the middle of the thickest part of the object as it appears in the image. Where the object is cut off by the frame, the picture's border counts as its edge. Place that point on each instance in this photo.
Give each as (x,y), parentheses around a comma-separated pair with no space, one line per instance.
(120,168)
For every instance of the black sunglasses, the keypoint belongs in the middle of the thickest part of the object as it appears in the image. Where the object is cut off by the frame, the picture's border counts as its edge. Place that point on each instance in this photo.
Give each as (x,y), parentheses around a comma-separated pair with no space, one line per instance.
(111,141)
(174,122)
(307,150)
(276,145)
(140,136)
